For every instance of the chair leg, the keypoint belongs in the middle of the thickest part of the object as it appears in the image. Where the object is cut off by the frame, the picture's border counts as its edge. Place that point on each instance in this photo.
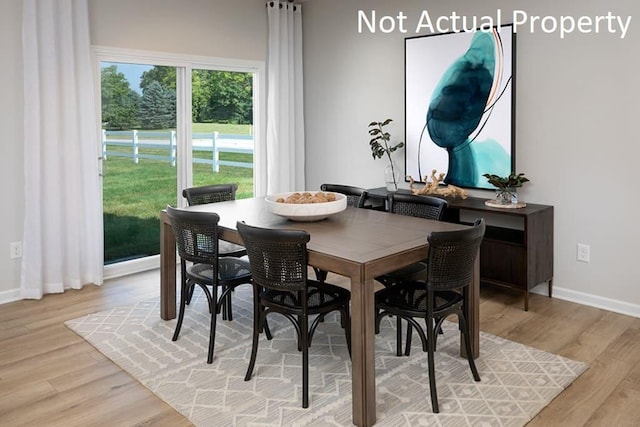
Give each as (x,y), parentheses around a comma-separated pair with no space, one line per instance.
(226,306)
(462,320)
(301,345)
(398,336)
(222,305)
(438,331)
(257,323)
(407,350)
(184,291)
(267,331)
(432,368)
(190,295)
(303,340)
(264,326)
(213,302)
(321,275)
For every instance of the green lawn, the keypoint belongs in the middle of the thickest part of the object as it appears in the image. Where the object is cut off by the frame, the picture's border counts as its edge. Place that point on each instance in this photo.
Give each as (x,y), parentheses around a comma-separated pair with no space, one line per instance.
(134,195)
(227,128)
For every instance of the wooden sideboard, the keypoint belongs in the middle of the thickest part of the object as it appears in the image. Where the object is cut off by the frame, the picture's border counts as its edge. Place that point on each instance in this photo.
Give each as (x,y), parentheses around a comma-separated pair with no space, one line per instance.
(518,255)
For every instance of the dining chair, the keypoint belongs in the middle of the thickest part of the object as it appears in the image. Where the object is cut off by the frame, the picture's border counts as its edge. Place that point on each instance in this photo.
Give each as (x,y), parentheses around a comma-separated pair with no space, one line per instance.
(354,194)
(426,207)
(196,235)
(450,266)
(212,194)
(278,260)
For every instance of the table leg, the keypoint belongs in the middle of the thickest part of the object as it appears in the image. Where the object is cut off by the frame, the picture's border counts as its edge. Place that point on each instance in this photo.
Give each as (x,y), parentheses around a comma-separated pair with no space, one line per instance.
(167,269)
(363,352)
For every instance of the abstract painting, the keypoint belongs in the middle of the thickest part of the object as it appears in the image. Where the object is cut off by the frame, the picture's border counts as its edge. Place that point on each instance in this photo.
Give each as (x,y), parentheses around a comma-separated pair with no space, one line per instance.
(459,106)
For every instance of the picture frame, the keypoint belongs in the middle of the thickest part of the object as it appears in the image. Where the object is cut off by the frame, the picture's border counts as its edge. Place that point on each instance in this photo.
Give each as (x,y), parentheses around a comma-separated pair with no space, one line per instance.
(460,106)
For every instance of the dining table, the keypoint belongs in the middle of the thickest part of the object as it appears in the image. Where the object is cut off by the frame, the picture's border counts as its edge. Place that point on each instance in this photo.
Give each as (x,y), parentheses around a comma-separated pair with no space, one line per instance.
(357,243)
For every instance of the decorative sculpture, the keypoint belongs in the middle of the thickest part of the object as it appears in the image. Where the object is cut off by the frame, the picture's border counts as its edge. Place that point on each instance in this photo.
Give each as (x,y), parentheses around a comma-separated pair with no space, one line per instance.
(434,187)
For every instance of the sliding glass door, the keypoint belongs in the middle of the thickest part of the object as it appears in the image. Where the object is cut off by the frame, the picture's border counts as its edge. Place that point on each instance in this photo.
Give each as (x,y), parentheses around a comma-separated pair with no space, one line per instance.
(167,125)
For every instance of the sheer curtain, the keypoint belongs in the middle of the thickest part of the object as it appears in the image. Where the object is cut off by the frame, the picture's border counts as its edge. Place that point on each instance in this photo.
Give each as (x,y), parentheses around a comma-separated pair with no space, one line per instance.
(63,223)
(285,115)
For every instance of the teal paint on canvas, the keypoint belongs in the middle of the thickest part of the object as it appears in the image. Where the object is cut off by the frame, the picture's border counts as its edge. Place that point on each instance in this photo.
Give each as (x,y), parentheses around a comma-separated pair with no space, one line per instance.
(457,107)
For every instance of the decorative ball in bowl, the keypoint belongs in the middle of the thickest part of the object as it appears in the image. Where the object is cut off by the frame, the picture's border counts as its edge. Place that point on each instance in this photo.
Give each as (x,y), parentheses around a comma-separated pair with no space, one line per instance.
(306,206)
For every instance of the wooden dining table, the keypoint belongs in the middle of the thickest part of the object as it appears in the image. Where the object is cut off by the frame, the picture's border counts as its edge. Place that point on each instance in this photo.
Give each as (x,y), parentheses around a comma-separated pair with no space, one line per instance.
(357,243)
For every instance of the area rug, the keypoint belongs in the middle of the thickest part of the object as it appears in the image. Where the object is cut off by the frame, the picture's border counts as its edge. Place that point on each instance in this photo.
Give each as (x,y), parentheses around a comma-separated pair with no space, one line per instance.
(517,381)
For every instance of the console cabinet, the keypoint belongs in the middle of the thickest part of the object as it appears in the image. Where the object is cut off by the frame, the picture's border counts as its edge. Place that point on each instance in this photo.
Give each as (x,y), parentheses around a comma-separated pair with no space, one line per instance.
(518,255)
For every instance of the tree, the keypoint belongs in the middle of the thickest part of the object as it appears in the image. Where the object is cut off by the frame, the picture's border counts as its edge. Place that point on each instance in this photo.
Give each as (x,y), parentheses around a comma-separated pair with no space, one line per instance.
(199,96)
(217,96)
(166,76)
(120,103)
(230,97)
(158,107)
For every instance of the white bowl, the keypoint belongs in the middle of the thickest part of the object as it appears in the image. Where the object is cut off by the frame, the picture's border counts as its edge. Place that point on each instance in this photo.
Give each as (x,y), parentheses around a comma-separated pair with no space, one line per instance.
(305,212)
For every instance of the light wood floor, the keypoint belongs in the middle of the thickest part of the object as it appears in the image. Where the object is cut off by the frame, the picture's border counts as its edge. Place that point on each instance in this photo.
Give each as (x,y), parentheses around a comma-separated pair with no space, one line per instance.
(49,376)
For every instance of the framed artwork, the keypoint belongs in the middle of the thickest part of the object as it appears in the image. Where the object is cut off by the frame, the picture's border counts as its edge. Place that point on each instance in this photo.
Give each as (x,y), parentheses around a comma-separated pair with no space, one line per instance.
(460,106)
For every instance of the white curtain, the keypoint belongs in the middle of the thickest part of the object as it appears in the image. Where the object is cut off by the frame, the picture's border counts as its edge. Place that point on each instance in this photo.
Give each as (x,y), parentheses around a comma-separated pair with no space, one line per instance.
(63,222)
(285,115)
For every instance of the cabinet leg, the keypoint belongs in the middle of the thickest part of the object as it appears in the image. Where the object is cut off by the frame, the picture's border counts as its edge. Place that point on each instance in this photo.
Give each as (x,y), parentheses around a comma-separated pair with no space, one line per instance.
(550,287)
(526,300)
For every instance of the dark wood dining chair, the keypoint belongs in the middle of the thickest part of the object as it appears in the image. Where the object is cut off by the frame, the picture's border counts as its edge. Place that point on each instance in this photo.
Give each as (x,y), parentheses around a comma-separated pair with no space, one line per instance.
(278,260)
(450,266)
(196,235)
(353,193)
(212,194)
(426,207)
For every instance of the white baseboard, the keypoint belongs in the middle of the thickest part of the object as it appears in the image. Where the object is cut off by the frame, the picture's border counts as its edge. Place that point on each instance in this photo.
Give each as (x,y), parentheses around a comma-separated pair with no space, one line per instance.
(10,296)
(590,300)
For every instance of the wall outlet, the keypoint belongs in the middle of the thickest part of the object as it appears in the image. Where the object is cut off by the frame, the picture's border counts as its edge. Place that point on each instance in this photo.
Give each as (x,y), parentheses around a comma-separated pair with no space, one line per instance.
(583,253)
(15,250)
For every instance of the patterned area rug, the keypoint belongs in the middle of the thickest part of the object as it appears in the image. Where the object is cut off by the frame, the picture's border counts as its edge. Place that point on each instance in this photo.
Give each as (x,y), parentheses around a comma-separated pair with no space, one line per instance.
(517,381)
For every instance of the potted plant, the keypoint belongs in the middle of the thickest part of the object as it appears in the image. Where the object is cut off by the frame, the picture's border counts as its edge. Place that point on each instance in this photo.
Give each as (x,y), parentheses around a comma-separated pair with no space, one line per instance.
(381,146)
(506,186)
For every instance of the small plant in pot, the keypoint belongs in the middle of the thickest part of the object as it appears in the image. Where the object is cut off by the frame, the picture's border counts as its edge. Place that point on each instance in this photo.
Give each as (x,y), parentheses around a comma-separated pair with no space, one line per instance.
(381,146)
(506,186)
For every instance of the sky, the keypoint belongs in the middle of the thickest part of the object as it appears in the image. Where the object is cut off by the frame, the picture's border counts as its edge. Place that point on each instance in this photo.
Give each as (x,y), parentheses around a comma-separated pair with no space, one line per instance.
(132,72)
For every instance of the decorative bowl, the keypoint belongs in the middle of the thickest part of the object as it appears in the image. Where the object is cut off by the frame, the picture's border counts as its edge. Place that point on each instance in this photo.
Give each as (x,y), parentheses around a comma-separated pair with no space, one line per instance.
(305,212)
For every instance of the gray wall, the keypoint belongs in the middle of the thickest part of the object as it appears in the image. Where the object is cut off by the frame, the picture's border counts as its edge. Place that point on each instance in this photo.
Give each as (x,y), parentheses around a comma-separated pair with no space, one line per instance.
(219,28)
(577,100)
(11,161)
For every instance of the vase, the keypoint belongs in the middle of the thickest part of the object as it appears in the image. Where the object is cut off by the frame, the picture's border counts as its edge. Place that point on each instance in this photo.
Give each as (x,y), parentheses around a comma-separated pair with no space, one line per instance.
(507,195)
(392,176)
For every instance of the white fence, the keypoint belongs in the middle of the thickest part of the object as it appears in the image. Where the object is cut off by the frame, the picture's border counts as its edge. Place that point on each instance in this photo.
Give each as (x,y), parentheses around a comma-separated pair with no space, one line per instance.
(213,142)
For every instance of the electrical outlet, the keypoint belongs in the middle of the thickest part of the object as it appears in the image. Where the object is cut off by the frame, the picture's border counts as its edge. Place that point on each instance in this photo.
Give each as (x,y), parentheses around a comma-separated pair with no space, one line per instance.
(583,253)
(15,250)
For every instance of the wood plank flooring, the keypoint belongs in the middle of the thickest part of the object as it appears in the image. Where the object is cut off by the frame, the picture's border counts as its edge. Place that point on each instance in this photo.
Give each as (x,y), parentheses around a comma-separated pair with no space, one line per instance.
(49,376)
